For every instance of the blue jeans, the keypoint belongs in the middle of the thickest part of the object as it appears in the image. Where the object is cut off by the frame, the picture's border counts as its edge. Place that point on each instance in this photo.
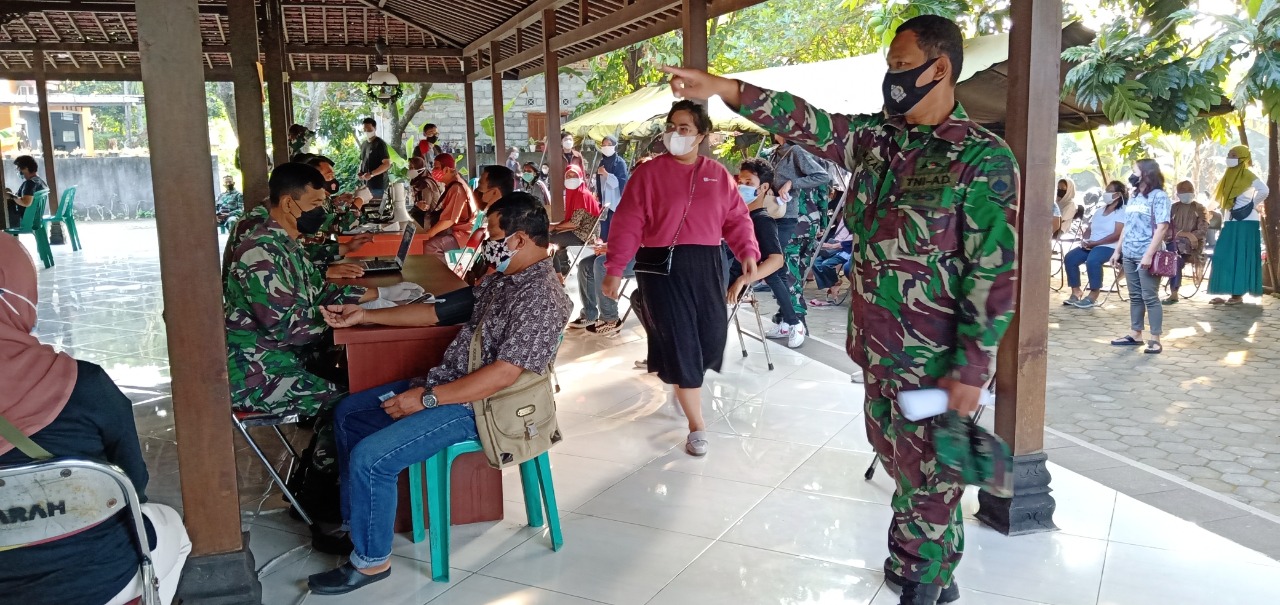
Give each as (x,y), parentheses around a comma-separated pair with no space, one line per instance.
(1093,260)
(373,450)
(829,262)
(595,305)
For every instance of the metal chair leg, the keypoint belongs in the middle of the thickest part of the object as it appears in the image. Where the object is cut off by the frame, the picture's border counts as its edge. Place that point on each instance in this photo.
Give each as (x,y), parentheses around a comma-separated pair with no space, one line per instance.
(741,340)
(244,432)
(768,357)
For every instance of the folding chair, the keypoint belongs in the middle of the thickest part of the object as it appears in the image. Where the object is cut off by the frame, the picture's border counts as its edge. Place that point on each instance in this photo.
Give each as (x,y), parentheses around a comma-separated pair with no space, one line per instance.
(622,292)
(461,260)
(749,297)
(244,421)
(63,497)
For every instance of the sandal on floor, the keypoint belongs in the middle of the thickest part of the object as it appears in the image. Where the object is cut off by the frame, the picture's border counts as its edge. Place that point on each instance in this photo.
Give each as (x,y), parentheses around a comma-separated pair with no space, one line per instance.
(819,303)
(1127,341)
(1154,348)
(1233,302)
(1218,301)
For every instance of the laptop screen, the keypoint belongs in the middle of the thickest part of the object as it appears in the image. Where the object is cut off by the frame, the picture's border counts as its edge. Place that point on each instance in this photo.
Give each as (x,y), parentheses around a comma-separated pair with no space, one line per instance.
(405,242)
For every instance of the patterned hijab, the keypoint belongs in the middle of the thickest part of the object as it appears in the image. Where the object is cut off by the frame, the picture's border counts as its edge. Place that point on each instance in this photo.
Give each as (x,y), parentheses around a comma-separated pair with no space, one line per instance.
(37,381)
(1235,181)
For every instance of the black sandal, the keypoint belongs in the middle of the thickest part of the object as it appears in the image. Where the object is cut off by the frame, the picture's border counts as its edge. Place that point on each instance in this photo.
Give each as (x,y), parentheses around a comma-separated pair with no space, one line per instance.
(1154,348)
(1127,341)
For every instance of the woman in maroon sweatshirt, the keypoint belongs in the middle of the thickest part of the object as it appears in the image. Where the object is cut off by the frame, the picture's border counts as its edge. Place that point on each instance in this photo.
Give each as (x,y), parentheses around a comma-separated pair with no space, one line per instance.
(687,204)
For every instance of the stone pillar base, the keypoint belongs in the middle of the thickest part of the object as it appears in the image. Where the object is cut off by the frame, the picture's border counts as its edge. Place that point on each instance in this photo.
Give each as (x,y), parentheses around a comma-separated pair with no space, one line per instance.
(222,579)
(1030,510)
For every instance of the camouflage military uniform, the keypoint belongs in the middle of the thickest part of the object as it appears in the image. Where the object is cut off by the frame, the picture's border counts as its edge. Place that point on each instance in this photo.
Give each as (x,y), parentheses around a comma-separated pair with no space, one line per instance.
(272,292)
(320,248)
(931,213)
(814,220)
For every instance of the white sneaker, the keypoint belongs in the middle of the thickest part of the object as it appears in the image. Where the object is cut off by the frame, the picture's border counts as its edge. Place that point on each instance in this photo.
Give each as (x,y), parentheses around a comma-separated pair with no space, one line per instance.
(778,331)
(796,338)
(696,444)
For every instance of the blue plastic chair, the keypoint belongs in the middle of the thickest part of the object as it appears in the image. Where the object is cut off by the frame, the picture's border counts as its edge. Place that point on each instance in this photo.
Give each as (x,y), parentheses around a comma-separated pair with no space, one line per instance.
(535,477)
(33,223)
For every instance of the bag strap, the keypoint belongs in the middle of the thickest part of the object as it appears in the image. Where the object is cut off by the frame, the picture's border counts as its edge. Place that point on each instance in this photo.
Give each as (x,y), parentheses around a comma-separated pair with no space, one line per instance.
(21,441)
(693,180)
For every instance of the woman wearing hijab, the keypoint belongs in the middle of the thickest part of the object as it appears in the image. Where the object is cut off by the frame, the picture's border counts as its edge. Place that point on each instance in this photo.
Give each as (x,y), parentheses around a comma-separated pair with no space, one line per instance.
(1237,259)
(1066,202)
(581,209)
(611,179)
(675,212)
(72,409)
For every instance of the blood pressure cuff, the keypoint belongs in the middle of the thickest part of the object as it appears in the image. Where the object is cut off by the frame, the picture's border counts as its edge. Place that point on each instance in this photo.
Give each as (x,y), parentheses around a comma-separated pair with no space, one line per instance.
(456,306)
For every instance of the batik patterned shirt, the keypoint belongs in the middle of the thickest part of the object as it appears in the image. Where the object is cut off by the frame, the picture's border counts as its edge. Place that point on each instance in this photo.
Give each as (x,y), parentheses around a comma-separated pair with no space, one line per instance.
(932,212)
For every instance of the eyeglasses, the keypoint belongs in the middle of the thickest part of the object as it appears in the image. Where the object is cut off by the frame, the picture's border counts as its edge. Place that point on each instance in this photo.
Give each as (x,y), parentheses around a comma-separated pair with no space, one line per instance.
(683,130)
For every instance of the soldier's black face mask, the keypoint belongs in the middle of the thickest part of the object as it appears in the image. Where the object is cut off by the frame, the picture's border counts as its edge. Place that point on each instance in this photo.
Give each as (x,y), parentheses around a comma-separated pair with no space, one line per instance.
(332,186)
(900,91)
(309,222)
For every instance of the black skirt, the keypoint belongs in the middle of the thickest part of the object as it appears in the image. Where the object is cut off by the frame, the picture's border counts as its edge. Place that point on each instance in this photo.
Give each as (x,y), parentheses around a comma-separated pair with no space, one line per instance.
(685,316)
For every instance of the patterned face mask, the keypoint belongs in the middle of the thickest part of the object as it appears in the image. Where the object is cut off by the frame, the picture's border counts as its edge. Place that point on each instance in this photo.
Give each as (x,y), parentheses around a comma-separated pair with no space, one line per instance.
(496,252)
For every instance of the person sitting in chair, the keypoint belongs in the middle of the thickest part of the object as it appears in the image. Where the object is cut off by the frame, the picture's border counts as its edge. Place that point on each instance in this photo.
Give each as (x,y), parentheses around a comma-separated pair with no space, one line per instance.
(16,206)
(520,312)
(71,409)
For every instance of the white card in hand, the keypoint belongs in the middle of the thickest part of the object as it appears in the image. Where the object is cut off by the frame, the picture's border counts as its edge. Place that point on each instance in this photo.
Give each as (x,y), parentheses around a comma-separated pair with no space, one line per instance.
(927,403)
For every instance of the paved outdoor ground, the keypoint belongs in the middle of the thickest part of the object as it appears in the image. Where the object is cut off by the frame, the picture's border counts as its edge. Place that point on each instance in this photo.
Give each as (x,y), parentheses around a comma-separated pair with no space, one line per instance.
(1205,411)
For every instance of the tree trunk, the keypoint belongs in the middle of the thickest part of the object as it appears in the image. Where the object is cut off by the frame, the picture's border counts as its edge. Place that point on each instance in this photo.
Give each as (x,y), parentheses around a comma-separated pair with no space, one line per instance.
(400,121)
(226,93)
(1271,207)
(1244,131)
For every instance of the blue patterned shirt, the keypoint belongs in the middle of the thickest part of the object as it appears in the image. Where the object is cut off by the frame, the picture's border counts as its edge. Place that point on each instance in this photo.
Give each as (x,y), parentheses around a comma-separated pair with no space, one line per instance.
(1138,223)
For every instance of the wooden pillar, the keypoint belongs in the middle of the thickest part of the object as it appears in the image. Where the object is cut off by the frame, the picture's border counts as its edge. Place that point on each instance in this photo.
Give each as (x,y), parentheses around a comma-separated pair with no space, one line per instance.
(499,115)
(555,155)
(277,83)
(243,20)
(469,99)
(1035,46)
(693,22)
(47,167)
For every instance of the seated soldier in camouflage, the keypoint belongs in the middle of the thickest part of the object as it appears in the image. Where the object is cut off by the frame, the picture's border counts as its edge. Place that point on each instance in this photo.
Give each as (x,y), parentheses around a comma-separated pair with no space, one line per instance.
(272,293)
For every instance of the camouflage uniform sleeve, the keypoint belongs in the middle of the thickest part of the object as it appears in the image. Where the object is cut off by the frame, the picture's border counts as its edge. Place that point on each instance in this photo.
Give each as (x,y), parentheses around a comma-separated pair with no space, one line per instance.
(282,302)
(829,135)
(988,280)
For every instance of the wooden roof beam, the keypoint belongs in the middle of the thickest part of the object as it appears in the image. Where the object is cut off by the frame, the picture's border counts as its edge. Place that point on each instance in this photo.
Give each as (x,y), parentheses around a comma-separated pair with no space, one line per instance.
(90,6)
(528,16)
(378,5)
(402,51)
(640,10)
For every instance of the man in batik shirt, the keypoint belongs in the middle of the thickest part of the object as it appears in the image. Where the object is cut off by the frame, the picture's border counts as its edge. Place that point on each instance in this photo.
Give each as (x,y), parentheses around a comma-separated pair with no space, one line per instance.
(931,213)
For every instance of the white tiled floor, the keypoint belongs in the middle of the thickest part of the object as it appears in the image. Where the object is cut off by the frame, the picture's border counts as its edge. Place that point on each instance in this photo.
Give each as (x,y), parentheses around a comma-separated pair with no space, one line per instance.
(777,513)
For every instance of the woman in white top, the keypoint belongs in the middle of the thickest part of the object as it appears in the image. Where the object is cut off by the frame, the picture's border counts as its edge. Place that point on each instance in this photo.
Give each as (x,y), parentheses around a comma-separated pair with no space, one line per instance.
(1098,246)
(1237,259)
(1145,224)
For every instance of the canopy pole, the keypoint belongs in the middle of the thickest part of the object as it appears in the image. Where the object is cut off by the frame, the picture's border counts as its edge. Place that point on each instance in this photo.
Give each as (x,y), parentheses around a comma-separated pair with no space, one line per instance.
(1101,169)
(278,88)
(469,99)
(499,115)
(1035,47)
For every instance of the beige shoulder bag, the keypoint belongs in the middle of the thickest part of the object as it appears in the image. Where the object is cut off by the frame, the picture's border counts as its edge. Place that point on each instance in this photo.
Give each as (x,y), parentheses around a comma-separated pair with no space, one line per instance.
(517,423)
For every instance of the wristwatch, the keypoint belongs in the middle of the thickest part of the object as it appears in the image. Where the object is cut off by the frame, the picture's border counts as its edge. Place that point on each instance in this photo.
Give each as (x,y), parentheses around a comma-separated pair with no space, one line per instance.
(429,398)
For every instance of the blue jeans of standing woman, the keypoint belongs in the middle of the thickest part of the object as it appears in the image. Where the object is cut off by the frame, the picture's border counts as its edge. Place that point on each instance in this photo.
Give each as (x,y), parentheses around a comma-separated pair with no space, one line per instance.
(1093,260)
(373,449)
(1144,297)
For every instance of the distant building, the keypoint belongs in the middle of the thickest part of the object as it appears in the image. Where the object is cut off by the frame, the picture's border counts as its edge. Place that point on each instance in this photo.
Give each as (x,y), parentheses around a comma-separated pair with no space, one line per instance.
(71,121)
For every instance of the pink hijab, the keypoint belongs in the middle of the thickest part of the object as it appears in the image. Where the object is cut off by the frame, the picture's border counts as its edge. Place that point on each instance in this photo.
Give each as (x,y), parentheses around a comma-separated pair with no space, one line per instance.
(37,380)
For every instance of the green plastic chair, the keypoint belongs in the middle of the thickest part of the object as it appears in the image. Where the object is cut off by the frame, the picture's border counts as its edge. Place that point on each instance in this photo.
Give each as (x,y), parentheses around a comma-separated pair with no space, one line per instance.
(33,223)
(66,214)
(535,477)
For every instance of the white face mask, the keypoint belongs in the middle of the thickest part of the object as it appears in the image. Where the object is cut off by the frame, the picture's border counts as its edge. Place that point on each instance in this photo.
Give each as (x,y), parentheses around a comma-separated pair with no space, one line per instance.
(413,173)
(567,144)
(572,183)
(1186,198)
(1233,162)
(608,150)
(369,134)
(679,144)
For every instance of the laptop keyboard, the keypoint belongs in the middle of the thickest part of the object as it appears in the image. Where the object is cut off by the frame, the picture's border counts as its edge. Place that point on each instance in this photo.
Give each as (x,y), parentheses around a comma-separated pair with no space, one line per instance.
(380,264)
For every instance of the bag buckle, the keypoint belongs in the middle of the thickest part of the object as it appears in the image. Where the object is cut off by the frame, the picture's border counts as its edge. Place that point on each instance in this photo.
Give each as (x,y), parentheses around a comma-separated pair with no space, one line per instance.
(531,430)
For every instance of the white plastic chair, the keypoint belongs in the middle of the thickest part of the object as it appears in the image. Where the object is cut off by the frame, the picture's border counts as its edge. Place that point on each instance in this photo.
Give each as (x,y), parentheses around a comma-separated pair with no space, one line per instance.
(62,497)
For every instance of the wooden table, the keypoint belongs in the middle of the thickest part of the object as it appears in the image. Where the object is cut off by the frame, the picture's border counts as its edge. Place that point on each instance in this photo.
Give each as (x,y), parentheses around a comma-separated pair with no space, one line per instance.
(387,243)
(380,354)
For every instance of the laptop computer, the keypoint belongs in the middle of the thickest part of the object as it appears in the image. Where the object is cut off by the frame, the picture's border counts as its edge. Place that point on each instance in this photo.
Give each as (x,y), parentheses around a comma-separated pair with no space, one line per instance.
(379,265)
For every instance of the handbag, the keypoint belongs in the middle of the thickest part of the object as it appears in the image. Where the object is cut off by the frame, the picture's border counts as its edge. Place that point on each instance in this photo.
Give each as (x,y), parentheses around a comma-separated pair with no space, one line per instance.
(518,423)
(1164,263)
(657,261)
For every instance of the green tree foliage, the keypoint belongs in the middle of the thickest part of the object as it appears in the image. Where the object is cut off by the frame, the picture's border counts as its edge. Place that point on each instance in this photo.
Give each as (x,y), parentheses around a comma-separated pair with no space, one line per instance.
(1253,36)
(1145,70)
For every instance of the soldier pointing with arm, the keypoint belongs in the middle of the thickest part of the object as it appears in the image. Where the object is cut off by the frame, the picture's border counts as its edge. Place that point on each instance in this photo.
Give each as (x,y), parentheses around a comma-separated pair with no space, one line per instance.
(932,207)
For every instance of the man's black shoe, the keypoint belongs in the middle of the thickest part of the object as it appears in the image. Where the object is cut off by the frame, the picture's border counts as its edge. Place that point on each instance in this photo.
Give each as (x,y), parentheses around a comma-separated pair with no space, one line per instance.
(342,580)
(915,593)
(949,594)
(331,543)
